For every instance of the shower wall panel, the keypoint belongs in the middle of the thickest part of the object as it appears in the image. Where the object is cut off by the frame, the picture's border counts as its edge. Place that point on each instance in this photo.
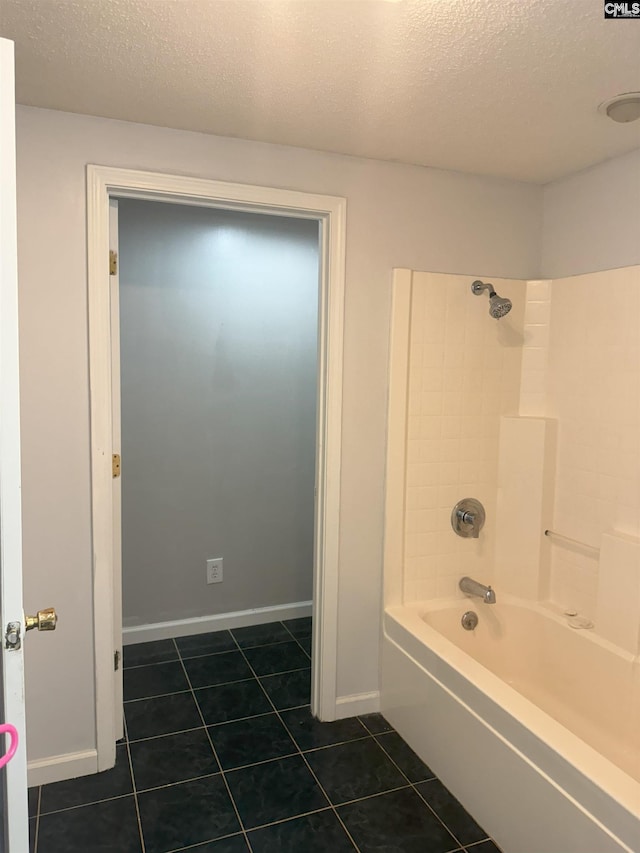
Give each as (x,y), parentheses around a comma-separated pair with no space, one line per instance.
(594,392)
(464,374)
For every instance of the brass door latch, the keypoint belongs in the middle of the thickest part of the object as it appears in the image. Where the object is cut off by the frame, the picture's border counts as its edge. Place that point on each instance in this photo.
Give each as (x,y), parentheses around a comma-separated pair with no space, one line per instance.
(44,620)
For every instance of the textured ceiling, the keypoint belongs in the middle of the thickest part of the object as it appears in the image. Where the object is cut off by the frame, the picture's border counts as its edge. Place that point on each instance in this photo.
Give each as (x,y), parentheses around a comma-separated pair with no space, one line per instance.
(499,87)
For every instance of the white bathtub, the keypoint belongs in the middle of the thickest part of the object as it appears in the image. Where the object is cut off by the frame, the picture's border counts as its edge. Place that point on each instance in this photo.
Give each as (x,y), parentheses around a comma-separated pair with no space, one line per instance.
(534,725)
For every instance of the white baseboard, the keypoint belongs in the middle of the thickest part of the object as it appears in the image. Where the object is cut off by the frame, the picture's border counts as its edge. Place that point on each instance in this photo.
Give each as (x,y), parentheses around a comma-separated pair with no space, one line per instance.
(356,704)
(220,622)
(42,771)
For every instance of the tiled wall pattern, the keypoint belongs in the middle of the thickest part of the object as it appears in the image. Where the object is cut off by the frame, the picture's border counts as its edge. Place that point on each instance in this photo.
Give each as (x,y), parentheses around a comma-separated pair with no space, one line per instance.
(464,374)
(594,392)
(535,351)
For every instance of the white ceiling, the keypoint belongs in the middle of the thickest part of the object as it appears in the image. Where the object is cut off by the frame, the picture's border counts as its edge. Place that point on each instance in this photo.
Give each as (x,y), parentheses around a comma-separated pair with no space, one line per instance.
(498,87)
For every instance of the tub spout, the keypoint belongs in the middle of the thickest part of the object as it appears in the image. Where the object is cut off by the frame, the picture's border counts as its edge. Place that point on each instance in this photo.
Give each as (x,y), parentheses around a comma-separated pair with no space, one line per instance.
(471,587)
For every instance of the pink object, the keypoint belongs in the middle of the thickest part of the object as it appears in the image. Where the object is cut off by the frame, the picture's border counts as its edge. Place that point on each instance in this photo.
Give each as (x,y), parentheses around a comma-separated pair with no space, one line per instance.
(7,728)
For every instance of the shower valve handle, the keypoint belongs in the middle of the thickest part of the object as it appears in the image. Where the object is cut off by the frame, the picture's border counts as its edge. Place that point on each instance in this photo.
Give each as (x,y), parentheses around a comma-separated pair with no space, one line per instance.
(466,517)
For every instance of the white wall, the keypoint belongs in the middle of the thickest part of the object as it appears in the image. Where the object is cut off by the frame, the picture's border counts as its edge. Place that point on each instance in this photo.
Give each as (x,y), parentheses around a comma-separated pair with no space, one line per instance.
(592,219)
(218,339)
(397,216)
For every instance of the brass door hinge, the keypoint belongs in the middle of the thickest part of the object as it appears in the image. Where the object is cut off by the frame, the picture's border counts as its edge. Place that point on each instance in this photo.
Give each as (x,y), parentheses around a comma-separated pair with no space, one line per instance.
(116,661)
(115,465)
(113,262)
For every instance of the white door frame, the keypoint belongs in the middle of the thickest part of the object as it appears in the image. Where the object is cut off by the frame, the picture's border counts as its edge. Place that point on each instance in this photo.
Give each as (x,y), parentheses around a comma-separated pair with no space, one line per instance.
(12,709)
(104,182)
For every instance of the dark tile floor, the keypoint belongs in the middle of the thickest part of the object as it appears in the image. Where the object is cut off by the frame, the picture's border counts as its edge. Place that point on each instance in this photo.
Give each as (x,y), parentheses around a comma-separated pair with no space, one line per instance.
(221,755)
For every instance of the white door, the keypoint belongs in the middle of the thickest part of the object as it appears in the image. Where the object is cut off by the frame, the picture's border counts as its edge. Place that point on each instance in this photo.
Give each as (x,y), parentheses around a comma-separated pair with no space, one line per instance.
(13,778)
(117,487)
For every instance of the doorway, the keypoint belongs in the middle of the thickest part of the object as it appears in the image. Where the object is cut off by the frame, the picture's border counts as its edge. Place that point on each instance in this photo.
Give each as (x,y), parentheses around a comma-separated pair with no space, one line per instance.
(217,399)
(329,214)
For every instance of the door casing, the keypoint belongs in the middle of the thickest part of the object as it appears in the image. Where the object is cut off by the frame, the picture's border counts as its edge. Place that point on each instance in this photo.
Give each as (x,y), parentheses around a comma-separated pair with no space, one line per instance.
(103,183)
(13,794)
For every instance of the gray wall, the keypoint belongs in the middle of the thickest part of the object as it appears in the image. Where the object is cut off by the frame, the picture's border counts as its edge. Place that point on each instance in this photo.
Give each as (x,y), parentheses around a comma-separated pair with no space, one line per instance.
(397,216)
(591,219)
(218,319)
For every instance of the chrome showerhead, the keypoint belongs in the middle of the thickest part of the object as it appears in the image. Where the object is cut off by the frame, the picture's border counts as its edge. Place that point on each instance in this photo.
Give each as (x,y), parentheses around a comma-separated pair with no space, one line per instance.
(498,305)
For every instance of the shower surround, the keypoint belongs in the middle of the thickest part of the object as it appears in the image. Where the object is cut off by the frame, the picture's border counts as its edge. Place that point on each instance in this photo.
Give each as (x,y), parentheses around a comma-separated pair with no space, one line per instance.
(463,374)
(536,415)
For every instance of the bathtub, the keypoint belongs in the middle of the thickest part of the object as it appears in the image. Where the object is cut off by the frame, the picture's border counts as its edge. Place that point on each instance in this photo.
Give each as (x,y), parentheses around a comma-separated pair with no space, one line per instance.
(533,724)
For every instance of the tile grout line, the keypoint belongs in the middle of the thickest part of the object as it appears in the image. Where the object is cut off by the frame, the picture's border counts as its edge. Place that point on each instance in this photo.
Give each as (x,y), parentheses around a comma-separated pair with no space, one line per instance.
(205,775)
(154,696)
(167,734)
(36,831)
(253,763)
(199,844)
(263,645)
(462,846)
(286,627)
(90,803)
(169,785)
(239,766)
(133,783)
(330,745)
(208,654)
(301,754)
(209,686)
(213,749)
(221,723)
(287,672)
(243,767)
(413,785)
(326,808)
(329,807)
(375,734)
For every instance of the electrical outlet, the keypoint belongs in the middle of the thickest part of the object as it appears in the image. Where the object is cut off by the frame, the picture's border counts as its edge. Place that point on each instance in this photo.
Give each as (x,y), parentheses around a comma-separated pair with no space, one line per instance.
(215,570)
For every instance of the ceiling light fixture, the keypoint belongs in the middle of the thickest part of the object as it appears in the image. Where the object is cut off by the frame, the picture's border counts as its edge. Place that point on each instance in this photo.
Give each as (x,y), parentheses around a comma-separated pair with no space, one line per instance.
(622,108)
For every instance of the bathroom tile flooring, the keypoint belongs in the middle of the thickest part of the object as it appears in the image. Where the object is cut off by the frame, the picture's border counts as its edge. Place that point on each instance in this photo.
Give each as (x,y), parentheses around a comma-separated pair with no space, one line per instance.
(221,755)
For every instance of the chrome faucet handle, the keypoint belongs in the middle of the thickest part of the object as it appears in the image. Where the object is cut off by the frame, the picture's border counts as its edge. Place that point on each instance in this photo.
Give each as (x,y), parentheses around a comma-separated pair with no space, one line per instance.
(467,518)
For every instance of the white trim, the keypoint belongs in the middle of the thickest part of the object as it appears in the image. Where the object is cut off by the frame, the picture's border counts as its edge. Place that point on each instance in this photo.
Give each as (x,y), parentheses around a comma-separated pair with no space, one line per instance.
(330,212)
(116,484)
(397,419)
(56,768)
(356,704)
(101,452)
(219,622)
(14,796)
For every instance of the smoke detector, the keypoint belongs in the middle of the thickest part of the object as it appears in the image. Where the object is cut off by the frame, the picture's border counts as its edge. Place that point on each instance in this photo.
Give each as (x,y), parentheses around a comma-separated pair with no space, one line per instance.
(622,108)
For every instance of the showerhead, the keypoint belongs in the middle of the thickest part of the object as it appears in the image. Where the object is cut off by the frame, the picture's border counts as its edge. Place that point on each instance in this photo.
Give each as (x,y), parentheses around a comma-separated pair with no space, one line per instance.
(498,305)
